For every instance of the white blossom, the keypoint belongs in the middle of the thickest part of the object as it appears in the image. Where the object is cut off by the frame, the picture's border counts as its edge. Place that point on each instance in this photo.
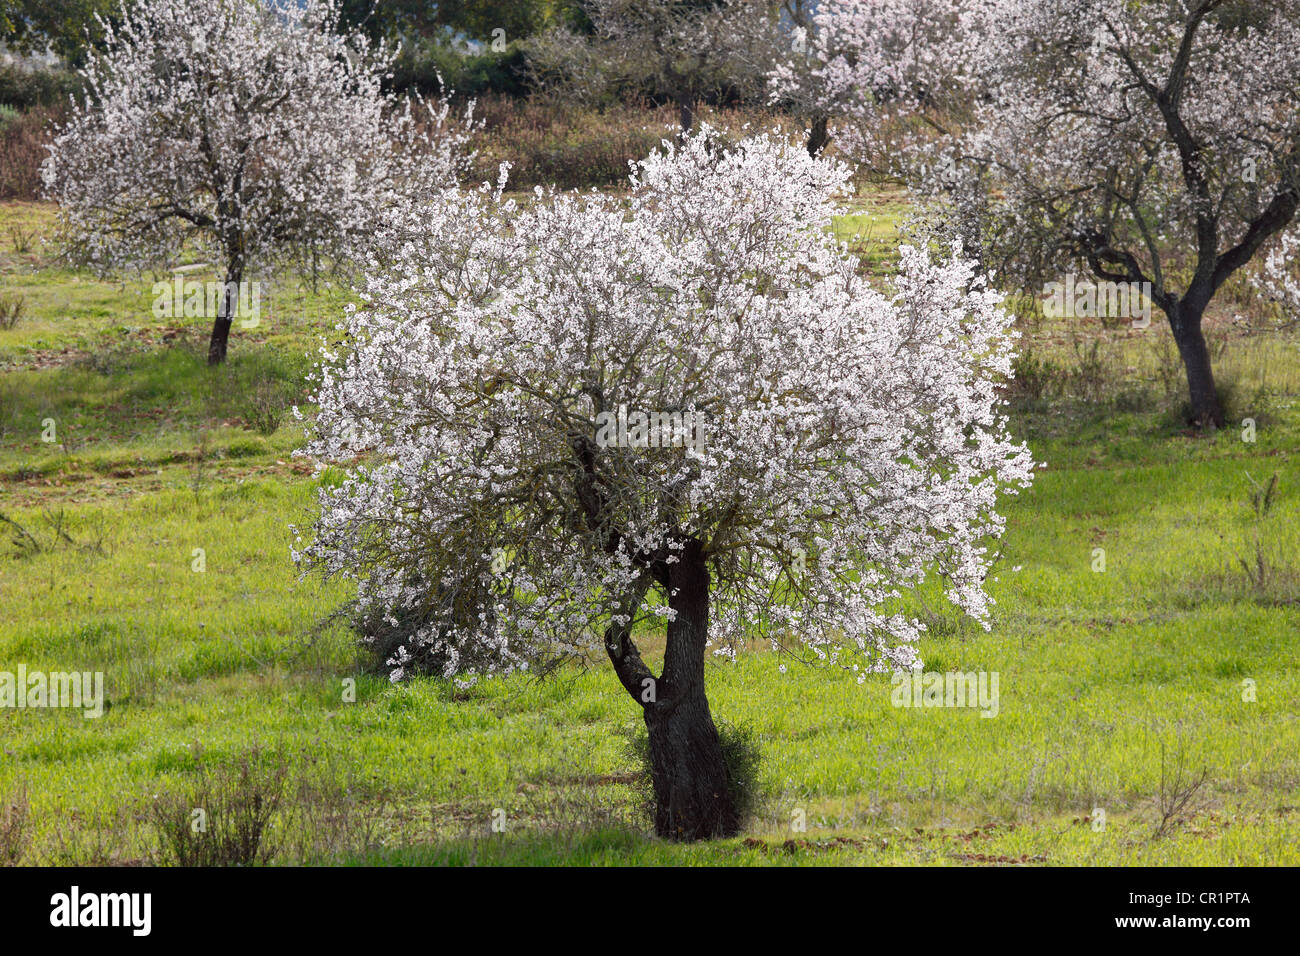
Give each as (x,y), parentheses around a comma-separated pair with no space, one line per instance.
(854,441)
(251,134)
(1155,144)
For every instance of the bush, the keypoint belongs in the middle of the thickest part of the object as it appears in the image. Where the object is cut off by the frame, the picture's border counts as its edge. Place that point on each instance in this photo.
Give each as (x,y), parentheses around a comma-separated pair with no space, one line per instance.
(22,150)
(24,89)
(15,826)
(740,751)
(264,407)
(257,388)
(431,68)
(247,448)
(239,805)
(1034,377)
(11,310)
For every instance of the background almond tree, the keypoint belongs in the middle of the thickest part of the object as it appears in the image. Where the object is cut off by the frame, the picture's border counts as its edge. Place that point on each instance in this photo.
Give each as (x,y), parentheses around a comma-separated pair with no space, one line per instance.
(1152,142)
(256,134)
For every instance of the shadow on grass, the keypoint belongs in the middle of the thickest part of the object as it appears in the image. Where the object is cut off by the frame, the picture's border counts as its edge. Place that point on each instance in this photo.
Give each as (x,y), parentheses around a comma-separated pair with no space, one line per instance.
(128,395)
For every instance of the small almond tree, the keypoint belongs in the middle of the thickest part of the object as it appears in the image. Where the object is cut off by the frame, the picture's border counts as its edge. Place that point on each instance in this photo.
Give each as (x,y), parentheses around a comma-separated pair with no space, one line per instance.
(1152,143)
(682,409)
(251,133)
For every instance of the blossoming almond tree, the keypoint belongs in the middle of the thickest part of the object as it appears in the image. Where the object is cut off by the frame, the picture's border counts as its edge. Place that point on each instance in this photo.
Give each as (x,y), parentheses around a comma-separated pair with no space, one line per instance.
(841,49)
(791,81)
(253,133)
(1155,143)
(843,443)
(1278,280)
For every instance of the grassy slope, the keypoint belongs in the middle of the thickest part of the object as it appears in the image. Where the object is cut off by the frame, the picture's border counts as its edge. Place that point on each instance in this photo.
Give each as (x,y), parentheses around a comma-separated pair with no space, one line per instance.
(1104,676)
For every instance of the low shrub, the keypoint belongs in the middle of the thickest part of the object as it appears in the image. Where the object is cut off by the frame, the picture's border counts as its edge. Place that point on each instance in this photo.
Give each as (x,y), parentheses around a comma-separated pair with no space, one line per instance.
(24,89)
(740,751)
(225,815)
(23,138)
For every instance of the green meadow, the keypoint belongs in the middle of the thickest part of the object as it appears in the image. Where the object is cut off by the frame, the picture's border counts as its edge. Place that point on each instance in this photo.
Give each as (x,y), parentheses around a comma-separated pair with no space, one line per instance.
(1146,632)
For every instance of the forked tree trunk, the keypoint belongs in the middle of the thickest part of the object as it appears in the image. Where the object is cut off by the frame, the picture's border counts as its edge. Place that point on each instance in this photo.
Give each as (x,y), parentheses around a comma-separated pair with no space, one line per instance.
(692,796)
(1206,411)
(225,315)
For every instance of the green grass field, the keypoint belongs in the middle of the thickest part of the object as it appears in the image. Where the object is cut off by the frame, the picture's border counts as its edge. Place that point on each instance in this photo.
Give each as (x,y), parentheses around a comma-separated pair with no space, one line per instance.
(1124,690)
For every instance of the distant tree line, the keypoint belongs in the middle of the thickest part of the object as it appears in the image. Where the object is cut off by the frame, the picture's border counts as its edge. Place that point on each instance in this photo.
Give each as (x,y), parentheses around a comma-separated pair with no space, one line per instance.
(658,51)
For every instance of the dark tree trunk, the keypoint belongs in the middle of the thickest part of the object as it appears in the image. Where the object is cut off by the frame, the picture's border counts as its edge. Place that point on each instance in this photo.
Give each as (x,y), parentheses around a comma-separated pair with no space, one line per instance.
(685,113)
(692,795)
(225,315)
(817,135)
(1206,412)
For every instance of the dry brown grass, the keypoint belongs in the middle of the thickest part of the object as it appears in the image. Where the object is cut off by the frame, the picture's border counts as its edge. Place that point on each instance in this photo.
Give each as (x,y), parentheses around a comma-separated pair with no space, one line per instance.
(571,147)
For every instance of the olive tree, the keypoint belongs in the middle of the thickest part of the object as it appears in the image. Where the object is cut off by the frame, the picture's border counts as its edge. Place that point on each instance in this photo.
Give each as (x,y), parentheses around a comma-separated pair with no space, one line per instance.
(251,133)
(590,416)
